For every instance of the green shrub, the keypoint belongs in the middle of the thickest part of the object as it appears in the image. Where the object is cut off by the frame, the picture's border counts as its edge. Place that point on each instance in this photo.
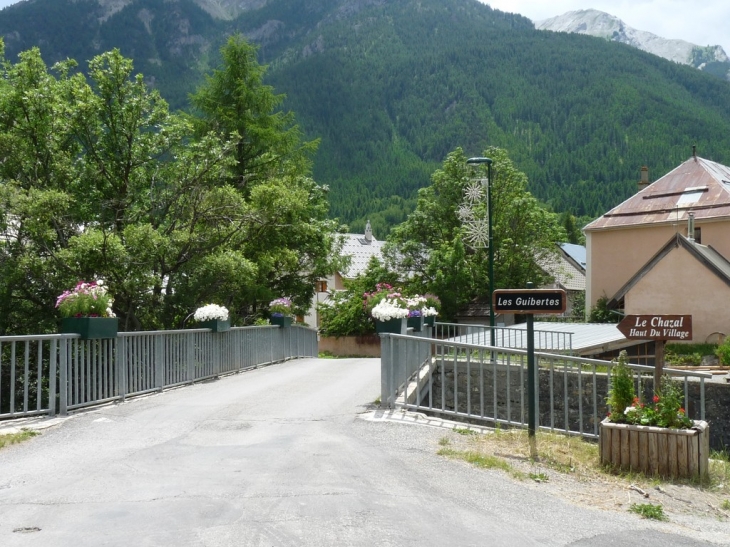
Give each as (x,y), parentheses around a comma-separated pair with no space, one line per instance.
(723,352)
(621,395)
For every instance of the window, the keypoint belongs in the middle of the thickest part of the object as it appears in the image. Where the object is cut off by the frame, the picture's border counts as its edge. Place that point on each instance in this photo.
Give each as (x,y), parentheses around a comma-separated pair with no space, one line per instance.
(321,286)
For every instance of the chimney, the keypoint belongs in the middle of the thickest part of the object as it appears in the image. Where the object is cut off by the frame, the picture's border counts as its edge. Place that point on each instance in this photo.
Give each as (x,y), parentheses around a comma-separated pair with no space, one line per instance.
(644,182)
(691,226)
(368,232)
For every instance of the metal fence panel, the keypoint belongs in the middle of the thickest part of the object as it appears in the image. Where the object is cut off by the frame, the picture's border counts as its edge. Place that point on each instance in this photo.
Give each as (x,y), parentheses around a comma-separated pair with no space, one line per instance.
(479,382)
(46,374)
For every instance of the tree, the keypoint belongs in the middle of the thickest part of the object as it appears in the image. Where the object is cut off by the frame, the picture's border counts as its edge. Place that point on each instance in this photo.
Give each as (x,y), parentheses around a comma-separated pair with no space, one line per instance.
(431,247)
(102,181)
(234,103)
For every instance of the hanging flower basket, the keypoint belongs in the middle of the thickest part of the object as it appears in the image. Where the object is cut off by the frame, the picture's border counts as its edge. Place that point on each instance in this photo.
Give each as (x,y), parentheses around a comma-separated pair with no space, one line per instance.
(392,326)
(280,320)
(91,328)
(216,325)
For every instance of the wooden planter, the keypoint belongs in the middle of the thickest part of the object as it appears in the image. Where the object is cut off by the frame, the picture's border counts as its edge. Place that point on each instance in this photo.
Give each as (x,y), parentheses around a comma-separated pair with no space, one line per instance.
(656,450)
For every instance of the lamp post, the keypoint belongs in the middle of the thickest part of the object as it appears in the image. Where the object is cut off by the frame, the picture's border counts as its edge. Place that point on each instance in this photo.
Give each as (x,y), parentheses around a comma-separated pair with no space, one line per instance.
(490,243)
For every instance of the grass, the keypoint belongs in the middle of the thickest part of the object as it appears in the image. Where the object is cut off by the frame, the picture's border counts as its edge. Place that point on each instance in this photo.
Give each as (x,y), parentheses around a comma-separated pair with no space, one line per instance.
(648,511)
(15,438)
(574,459)
(465,431)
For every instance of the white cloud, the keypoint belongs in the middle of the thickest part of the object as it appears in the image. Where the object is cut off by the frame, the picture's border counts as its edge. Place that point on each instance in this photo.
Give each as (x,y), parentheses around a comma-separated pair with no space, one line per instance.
(702,23)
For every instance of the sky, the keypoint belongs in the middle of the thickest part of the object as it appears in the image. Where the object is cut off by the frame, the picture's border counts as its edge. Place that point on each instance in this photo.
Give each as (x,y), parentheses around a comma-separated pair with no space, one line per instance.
(705,22)
(702,23)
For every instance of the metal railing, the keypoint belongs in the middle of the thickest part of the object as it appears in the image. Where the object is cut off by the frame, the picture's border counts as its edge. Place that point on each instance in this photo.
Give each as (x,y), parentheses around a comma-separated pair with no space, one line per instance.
(463,380)
(504,337)
(55,373)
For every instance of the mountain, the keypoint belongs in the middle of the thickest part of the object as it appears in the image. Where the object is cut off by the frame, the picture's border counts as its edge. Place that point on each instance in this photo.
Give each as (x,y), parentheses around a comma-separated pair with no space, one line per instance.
(712,59)
(390,87)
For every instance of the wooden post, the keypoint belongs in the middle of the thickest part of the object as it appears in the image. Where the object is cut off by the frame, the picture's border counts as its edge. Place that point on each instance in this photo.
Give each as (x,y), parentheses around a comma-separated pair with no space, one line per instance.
(658,364)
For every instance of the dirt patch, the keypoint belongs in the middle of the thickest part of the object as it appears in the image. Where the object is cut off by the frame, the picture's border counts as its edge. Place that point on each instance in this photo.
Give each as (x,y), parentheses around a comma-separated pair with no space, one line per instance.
(568,467)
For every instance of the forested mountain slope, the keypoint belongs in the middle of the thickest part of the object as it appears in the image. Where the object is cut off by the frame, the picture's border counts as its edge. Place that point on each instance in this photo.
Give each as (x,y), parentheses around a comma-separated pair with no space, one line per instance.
(391,87)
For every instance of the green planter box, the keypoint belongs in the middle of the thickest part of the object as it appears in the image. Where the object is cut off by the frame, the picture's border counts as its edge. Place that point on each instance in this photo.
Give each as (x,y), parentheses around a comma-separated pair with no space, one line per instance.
(91,328)
(393,326)
(430,320)
(415,323)
(216,325)
(283,321)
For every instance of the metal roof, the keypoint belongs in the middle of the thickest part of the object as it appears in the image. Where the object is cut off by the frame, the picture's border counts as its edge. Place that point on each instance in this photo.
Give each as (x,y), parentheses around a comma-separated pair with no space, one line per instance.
(698,185)
(576,252)
(564,272)
(576,338)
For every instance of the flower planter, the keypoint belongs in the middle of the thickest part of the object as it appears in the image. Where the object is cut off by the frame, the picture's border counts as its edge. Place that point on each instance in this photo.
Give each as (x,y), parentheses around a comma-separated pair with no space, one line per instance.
(430,320)
(91,328)
(656,450)
(282,321)
(392,326)
(216,325)
(415,323)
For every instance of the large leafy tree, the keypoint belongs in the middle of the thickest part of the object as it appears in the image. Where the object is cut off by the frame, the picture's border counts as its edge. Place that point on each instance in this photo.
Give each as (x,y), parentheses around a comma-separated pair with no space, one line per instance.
(431,248)
(100,180)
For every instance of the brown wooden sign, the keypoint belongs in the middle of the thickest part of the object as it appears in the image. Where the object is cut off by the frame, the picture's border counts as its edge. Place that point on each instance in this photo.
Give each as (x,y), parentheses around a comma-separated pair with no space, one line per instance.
(656,327)
(529,301)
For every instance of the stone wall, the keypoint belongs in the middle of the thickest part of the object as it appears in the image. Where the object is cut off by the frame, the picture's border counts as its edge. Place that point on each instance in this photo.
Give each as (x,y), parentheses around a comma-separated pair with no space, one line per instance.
(511,395)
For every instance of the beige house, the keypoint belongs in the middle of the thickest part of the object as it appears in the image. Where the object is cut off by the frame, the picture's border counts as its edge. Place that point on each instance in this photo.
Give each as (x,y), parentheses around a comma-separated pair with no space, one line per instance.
(629,239)
(684,278)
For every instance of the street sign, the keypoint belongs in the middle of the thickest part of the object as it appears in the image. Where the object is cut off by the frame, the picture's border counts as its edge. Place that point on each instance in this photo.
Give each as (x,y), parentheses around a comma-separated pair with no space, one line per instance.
(528,301)
(656,327)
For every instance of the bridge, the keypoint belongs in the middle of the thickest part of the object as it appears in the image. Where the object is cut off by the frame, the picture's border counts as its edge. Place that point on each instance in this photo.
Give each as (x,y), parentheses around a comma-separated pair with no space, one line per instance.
(293,453)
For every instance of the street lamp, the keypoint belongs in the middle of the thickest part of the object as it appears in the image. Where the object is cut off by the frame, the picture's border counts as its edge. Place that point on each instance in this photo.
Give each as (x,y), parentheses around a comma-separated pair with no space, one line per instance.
(490,243)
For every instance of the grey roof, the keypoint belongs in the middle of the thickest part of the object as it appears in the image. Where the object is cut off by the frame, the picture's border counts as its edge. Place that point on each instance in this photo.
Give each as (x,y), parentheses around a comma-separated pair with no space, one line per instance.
(705,254)
(576,252)
(576,338)
(565,272)
(360,250)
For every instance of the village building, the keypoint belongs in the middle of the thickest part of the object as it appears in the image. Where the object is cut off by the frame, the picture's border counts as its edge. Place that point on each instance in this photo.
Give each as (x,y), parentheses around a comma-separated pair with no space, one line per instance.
(360,248)
(664,250)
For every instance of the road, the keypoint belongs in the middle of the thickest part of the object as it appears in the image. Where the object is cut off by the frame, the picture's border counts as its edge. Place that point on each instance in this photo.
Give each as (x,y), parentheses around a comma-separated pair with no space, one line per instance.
(280,456)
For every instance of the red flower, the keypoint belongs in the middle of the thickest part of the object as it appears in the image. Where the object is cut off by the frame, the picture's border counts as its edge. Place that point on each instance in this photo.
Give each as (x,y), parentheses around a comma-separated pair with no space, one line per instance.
(681,411)
(656,398)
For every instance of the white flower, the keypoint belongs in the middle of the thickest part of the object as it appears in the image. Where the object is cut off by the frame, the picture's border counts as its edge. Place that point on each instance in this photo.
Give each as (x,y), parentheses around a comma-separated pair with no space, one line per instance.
(211,312)
(388,309)
(630,409)
(429,312)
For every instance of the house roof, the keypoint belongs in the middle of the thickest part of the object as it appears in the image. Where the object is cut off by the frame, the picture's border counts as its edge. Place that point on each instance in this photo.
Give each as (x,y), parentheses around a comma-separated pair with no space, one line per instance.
(705,254)
(575,338)
(576,252)
(698,185)
(564,270)
(360,248)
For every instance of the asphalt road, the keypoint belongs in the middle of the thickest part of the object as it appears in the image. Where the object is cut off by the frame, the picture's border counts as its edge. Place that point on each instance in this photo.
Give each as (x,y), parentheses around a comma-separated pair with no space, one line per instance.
(281,456)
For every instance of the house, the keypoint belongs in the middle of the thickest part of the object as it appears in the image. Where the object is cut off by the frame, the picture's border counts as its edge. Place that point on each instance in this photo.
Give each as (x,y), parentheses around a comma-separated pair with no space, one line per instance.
(685,278)
(567,269)
(360,248)
(629,249)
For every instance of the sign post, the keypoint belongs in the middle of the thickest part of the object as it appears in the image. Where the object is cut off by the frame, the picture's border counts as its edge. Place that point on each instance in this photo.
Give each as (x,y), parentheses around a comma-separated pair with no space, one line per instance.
(659,328)
(529,302)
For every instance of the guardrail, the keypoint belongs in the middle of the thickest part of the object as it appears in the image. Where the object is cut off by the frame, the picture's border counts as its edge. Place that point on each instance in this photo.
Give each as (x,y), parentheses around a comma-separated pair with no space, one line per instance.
(504,337)
(485,383)
(46,374)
